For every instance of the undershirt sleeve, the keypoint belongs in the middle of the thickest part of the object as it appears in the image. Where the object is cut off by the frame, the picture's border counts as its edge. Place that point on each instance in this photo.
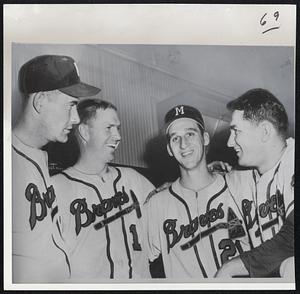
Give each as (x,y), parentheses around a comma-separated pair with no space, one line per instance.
(265,260)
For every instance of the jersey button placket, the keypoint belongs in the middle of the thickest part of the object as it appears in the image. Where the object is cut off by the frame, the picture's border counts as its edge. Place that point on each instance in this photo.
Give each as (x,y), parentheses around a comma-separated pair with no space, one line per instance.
(198,213)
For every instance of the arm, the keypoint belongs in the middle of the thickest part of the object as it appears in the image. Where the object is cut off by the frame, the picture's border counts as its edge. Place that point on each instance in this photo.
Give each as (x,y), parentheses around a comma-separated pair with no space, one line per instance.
(264,260)
(231,268)
(152,240)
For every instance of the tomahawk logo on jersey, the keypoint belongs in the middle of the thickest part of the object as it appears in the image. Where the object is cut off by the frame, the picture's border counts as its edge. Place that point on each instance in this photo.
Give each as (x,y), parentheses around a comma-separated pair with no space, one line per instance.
(196,232)
(101,225)
(265,200)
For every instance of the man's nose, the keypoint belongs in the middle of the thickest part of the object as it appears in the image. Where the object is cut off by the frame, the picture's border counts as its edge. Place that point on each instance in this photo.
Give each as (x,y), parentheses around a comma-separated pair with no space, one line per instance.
(74,116)
(183,142)
(230,142)
(116,134)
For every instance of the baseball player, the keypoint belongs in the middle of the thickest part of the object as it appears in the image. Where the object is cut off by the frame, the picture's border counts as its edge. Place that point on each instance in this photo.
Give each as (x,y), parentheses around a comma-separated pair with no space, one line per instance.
(102,204)
(192,225)
(51,87)
(265,193)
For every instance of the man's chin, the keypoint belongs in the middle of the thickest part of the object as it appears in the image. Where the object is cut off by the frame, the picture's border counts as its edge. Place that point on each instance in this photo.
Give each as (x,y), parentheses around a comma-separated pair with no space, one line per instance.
(189,165)
(243,163)
(110,158)
(62,139)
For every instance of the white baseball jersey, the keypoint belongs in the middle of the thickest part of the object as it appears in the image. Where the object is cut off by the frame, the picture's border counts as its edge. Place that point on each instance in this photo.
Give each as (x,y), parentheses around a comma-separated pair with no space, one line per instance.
(101,223)
(35,256)
(195,231)
(265,200)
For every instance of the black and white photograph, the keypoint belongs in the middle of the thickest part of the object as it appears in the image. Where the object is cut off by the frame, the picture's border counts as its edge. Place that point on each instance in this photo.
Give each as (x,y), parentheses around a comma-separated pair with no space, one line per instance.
(159,164)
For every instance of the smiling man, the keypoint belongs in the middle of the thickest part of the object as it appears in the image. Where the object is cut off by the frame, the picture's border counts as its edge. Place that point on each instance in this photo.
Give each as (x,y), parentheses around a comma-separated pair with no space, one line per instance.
(101,204)
(265,192)
(192,225)
(51,87)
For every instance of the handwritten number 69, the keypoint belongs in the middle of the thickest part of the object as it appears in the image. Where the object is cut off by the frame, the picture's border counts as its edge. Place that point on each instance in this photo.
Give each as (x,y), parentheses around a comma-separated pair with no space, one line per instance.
(263,21)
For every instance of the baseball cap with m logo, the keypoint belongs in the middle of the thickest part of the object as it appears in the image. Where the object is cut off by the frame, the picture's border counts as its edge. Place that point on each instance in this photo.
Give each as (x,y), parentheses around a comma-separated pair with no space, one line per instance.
(183,111)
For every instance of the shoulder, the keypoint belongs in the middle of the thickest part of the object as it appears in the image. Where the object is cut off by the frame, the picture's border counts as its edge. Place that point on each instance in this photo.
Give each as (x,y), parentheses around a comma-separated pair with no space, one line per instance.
(237,179)
(60,177)
(287,160)
(61,180)
(127,171)
(133,176)
(158,194)
(133,180)
(287,164)
(236,175)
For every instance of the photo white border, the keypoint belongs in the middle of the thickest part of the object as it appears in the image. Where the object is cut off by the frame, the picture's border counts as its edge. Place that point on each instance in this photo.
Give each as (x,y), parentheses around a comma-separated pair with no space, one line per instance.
(202,24)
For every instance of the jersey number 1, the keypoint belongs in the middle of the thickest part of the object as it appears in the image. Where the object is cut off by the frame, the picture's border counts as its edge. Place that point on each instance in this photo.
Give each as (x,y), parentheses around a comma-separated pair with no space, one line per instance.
(135,245)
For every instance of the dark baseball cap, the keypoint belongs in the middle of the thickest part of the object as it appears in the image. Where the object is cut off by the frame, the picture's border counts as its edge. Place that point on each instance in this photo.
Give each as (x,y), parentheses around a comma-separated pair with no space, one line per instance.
(53,72)
(183,111)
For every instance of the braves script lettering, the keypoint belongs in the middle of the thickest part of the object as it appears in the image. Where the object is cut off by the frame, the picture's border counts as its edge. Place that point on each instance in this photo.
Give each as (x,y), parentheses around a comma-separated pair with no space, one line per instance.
(79,207)
(33,195)
(274,204)
(173,237)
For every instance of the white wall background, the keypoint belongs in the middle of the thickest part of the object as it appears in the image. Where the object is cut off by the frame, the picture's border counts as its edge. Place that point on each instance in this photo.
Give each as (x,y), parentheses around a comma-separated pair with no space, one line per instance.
(144,81)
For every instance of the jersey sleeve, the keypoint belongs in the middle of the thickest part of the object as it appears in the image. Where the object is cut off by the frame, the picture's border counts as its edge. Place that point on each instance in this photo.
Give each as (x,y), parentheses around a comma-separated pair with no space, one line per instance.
(265,260)
(143,184)
(62,265)
(289,197)
(288,191)
(61,221)
(286,176)
(142,188)
(151,229)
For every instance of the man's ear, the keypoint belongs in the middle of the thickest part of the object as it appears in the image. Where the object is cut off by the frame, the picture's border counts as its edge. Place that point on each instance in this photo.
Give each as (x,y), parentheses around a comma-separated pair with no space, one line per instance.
(266,129)
(169,150)
(206,138)
(37,101)
(83,132)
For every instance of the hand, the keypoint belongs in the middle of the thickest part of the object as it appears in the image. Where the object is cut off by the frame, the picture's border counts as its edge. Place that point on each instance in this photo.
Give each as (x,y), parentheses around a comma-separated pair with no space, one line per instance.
(232,268)
(220,167)
(223,272)
(287,268)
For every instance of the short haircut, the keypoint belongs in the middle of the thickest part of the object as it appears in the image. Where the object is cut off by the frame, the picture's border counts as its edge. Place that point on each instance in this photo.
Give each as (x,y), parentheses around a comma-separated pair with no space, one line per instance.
(259,105)
(87,108)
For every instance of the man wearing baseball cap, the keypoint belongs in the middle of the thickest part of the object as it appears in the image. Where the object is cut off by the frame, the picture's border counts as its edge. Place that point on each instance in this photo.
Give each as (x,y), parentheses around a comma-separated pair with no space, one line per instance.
(187,223)
(51,87)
